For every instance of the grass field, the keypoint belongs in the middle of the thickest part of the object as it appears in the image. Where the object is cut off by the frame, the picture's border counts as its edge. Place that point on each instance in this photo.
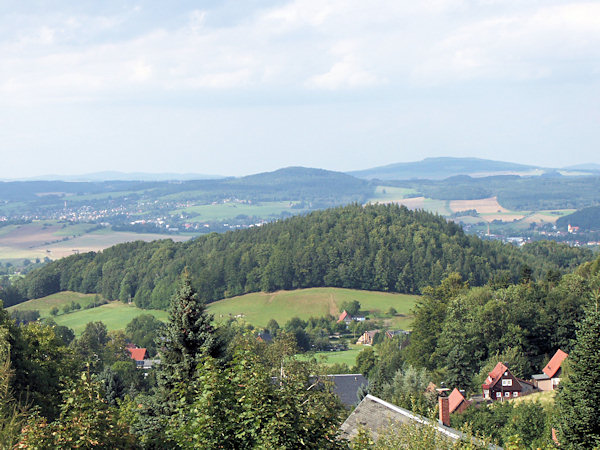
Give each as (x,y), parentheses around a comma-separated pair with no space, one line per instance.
(545,398)
(45,304)
(258,308)
(115,315)
(344,357)
(230,210)
(388,194)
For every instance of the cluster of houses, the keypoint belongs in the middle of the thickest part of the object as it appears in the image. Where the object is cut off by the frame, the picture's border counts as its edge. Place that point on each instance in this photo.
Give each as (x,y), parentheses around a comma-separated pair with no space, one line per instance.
(374,414)
(368,336)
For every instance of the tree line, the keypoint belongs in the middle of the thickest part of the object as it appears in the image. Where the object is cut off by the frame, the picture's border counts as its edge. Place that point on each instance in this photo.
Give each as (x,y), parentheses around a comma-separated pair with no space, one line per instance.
(373,247)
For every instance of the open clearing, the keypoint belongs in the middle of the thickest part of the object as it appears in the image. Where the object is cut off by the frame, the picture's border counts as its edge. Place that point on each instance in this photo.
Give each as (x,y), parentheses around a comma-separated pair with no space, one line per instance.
(258,308)
(55,240)
(329,358)
(390,194)
(482,206)
(115,315)
(545,398)
(231,210)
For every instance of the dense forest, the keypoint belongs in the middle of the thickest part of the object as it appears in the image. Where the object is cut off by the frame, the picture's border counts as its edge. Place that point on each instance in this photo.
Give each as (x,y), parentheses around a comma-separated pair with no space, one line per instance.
(460,333)
(376,247)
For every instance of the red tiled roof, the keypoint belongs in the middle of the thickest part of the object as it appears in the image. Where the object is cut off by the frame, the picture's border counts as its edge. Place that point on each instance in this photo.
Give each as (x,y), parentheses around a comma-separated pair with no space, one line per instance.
(495,374)
(555,363)
(139,354)
(455,399)
(344,315)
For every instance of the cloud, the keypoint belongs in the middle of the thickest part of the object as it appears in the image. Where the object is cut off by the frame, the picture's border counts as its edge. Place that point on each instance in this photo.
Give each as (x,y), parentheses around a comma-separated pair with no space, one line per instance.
(536,44)
(298,45)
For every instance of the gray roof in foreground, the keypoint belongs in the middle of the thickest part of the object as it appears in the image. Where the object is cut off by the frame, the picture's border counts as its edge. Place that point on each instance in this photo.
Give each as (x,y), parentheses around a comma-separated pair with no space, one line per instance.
(346,386)
(375,414)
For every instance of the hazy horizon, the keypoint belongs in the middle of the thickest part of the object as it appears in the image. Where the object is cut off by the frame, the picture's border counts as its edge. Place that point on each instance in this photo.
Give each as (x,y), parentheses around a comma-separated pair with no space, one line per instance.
(223,88)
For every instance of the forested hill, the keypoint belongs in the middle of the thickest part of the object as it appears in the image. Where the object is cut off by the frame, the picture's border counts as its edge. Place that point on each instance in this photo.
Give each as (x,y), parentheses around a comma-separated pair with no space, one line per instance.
(377,247)
(588,219)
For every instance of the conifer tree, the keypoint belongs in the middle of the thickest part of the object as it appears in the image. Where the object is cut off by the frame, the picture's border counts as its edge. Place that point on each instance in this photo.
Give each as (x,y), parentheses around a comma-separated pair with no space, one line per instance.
(579,395)
(187,336)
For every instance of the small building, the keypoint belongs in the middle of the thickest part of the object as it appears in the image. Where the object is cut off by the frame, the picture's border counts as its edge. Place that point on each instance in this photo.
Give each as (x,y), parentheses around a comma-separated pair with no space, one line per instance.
(264,336)
(501,384)
(345,317)
(550,378)
(138,355)
(391,333)
(367,337)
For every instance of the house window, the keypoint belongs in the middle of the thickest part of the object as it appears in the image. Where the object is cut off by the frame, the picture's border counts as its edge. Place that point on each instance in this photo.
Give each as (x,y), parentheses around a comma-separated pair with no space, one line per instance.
(498,394)
(507,394)
(515,394)
(507,382)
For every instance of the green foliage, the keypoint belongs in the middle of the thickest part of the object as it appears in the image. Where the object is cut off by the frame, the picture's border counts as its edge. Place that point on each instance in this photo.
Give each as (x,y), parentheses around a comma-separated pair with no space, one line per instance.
(239,405)
(47,364)
(579,394)
(459,331)
(86,421)
(143,331)
(375,247)
(12,415)
(54,311)
(351,307)
(413,436)
(187,337)
(586,219)
(507,423)
(407,390)
(23,317)
(366,361)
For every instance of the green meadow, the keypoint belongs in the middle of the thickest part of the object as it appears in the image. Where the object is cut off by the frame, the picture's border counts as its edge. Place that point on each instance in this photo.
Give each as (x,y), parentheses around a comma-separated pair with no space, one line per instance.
(329,358)
(258,308)
(115,315)
(230,210)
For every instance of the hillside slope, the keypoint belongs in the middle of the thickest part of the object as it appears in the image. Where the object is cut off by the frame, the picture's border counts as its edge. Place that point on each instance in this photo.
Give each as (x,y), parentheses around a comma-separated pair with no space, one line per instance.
(376,247)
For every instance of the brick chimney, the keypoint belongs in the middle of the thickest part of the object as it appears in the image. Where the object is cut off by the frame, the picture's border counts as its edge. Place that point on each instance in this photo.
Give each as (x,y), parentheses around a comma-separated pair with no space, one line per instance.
(444,404)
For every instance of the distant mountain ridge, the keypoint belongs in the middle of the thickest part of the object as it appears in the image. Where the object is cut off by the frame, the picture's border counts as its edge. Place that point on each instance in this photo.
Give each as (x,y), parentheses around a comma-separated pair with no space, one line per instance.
(120,176)
(445,167)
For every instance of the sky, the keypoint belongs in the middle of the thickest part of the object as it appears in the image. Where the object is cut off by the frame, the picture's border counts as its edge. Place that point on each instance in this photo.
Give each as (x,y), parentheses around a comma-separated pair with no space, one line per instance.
(239,87)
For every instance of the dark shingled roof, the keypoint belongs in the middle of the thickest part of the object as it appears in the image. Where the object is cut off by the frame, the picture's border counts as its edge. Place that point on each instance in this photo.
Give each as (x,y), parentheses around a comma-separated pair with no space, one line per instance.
(346,387)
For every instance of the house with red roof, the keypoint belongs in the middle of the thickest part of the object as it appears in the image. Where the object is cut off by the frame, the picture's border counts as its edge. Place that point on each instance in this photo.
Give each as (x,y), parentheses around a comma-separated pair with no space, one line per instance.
(550,378)
(346,317)
(501,384)
(138,355)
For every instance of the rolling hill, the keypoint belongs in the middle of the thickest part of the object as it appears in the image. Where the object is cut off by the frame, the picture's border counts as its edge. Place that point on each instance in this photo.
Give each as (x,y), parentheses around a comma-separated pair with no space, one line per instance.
(260,307)
(376,247)
(441,168)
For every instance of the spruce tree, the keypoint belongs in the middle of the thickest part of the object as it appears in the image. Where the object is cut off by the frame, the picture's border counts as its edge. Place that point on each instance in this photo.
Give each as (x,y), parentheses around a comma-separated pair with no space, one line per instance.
(579,394)
(187,337)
